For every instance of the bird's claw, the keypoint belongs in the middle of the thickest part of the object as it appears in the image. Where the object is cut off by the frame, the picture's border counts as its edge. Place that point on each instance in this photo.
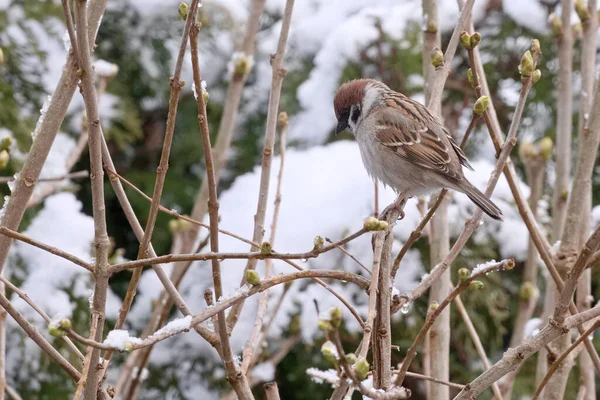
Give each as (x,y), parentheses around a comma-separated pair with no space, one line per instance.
(384,214)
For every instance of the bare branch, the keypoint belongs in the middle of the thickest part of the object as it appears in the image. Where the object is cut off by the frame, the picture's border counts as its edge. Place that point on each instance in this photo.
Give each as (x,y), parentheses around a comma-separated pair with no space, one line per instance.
(265,170)
(50,249)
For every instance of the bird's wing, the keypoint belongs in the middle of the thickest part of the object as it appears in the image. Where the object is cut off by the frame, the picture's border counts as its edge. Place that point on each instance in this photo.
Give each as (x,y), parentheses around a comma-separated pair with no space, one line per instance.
(407,128)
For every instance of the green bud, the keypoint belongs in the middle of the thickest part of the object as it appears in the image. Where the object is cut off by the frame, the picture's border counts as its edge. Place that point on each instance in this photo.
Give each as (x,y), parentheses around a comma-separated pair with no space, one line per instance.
(475,39)
(318,242)
(350,358)
(252,277)
(527,66)
(471,78)
(128,347)
(527,150)
(465,40)
(437,57)
(174,225)
(463,274)
(481,105)
(383,225)
(1,56)
(546,146)
(183,10)
(59,328)
(361,367)
(565,194)
(265,248)
(581,10)
(431,26)
(371,224)
(555,24)
(325,325)
(537,75)
(283,119)
(64,324)
(6,143)
(536,47)
(528,291)
(205,96)
(56,331)
(433,306)
(336,316)
(243,65)
(476,285)
(329,352)
(4,159)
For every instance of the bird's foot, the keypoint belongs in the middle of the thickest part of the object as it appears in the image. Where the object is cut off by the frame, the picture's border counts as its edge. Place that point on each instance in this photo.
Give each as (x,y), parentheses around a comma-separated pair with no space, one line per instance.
(392,207)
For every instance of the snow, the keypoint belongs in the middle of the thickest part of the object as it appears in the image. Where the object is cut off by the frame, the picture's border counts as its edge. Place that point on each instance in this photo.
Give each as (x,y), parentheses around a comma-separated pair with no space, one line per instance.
(105,68)
(483,266)
(175,326)
(319,376)
(118,339)
(529,13)
(40,120)
(532,327)
(263,372)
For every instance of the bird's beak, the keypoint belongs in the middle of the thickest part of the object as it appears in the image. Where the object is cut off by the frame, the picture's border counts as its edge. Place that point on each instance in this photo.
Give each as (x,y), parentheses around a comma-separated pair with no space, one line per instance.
(342,124)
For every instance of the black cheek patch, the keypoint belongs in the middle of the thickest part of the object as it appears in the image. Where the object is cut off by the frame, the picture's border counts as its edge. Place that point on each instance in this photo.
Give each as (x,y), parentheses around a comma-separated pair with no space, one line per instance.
(355,115)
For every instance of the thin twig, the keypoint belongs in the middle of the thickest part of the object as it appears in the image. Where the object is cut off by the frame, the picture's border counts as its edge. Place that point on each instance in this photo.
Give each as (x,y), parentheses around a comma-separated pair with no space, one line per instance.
(436,311)
(161,172)
(234,377)
(561,358)
(476,342)
(101,241)
(267,159)
(39,339)
(255,342)
(236,298)
(49,124)
(50,249)
(41,312)
(71,175)
(315,252)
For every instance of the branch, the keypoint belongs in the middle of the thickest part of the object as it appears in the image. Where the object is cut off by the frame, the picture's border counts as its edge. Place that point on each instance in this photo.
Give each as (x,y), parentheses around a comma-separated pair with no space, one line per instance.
(477,343)
(39,339)
(52,250)
(435,311)
(564,121)
(265,171)
(254,345)
(101,241)
(561,358)
(242,294)
(234,376)
(41,312)
(261,255)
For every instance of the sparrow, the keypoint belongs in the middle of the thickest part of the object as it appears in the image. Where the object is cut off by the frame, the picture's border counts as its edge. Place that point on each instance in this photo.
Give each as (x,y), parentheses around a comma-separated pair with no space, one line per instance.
(403,145)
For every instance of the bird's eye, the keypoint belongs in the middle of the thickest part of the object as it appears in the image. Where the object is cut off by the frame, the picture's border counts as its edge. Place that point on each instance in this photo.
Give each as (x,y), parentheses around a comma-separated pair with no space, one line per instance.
(355,114)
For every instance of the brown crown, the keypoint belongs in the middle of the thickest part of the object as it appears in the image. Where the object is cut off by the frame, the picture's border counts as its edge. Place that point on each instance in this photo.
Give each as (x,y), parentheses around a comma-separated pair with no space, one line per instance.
(348,94)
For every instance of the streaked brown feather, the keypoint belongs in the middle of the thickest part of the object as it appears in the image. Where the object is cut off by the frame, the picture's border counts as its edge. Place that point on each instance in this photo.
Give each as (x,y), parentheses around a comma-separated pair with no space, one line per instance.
(414,137)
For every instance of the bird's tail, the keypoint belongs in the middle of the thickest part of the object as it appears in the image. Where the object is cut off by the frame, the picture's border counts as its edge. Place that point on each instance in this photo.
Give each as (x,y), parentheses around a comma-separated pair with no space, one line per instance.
(483,202)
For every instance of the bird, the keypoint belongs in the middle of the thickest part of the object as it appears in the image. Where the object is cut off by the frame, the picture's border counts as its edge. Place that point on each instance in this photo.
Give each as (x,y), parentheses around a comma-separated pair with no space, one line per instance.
(403,144)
